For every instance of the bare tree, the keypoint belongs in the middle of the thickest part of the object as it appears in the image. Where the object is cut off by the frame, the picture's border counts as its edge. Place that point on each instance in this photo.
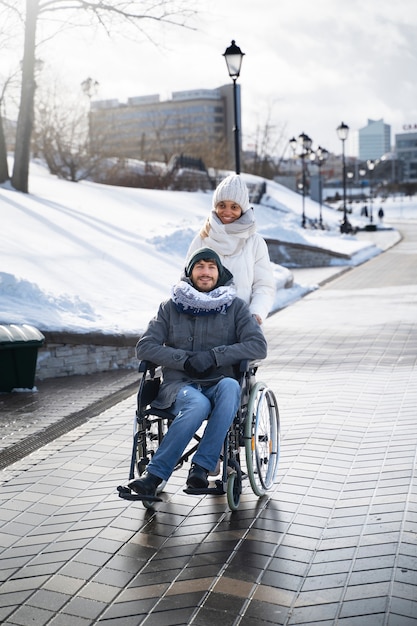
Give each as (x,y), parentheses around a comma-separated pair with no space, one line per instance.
(108,15)
(4,168)
(267,140)
(9,19)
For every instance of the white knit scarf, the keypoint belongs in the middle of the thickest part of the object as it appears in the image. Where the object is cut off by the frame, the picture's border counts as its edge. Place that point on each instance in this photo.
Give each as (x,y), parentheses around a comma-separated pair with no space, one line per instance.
(228,239)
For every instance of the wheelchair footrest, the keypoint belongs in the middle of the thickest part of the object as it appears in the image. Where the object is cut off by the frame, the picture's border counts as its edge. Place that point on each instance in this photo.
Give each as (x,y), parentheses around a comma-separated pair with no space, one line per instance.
(128,494)
(218,490)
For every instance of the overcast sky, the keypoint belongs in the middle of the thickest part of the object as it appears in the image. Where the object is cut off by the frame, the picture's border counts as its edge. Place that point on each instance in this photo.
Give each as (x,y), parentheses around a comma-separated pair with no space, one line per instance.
(308,64)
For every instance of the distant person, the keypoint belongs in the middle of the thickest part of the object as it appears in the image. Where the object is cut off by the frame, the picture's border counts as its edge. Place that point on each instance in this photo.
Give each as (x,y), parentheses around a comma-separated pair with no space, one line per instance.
(197,336)
(381,214)
(230,230)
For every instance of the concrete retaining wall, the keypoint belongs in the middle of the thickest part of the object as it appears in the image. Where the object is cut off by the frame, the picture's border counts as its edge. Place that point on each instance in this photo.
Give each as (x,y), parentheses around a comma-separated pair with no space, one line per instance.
(294,255)
(66,354)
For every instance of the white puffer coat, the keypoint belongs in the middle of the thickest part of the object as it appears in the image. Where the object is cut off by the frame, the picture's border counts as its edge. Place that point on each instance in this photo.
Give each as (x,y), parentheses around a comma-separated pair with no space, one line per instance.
(244,252)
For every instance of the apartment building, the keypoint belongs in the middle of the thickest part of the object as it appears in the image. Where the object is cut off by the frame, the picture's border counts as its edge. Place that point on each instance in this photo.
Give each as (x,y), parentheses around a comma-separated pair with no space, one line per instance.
(198,123)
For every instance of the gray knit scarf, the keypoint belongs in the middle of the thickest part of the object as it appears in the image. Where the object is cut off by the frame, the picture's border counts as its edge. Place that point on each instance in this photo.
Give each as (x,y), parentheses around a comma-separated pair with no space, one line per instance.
(189,300)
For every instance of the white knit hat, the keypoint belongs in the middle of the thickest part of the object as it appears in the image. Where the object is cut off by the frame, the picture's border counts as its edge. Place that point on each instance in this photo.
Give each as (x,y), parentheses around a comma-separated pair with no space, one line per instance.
(233,189)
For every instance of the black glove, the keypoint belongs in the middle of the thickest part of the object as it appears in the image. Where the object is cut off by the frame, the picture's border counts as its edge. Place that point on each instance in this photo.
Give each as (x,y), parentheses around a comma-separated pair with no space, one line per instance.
(201,364)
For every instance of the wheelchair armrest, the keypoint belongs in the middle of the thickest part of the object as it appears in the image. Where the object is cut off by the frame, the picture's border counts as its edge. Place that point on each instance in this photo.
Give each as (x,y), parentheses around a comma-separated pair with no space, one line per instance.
(245,365)
(147,366)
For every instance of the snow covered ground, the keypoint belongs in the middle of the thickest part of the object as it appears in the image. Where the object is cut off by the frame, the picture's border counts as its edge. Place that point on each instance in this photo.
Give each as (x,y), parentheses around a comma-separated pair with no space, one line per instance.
(84,257)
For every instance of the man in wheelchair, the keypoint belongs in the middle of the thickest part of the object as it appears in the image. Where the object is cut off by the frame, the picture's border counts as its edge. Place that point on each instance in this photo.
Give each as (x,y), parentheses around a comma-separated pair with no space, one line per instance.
(197,336)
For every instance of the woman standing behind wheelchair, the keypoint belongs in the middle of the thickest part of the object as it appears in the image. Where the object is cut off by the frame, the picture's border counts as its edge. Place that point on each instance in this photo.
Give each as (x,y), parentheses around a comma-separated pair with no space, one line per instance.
(230,230)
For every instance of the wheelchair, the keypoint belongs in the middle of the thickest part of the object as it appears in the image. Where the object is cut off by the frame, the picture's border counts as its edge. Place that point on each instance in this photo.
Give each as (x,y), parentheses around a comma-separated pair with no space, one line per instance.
(255,428)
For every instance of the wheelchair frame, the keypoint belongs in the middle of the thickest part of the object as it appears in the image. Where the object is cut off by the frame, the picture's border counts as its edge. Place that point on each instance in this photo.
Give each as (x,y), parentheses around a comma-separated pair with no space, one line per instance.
(255,428)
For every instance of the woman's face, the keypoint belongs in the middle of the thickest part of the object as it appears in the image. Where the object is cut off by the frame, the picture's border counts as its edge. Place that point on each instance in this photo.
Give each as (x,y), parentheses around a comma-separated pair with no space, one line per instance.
(228,211)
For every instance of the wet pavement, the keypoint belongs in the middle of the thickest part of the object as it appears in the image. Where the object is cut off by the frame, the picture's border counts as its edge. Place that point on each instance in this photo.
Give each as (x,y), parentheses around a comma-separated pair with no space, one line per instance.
(335,540)
(31,419)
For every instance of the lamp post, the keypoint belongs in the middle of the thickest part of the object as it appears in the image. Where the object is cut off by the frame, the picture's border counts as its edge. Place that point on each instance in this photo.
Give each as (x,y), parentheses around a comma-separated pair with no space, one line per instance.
(234,56)
(371,167)
(362,172)
(320,157)
(305,143)
(350,176)
(342,133)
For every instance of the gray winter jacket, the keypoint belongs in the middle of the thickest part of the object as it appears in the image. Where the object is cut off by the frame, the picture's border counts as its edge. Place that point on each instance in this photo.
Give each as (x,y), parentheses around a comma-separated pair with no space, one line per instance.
(172,336)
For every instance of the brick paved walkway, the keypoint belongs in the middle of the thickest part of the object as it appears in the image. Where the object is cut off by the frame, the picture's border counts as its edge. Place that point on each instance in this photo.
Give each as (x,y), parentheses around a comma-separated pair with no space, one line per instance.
(335,541)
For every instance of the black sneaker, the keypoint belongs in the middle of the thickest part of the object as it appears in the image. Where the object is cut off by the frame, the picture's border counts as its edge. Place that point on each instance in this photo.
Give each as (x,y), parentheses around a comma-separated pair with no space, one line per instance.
(146,485)
(197,477)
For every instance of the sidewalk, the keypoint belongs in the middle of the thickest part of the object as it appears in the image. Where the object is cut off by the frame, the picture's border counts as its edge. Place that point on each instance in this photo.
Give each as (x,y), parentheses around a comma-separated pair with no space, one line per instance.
(333,543)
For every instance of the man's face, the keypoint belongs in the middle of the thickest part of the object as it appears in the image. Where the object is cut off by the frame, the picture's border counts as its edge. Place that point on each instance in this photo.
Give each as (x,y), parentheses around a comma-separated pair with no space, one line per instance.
(205,275)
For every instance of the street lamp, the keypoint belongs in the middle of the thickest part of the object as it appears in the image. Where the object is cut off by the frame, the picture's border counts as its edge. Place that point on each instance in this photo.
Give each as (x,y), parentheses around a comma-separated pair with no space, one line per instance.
(342,133)
(305,143)
(234,57)
(362,172)
(371,166)
(320,157)
(350,176)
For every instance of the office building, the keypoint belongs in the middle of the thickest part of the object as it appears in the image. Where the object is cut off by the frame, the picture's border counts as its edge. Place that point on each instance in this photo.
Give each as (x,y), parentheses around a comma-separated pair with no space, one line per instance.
(374,140)
(406,152)
(198,123)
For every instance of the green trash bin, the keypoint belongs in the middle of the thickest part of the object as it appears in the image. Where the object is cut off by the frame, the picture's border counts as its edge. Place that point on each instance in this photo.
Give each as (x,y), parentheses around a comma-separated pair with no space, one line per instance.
(18,355)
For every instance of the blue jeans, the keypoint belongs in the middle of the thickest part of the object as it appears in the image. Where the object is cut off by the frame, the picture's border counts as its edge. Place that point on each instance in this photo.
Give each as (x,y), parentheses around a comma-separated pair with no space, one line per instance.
(192,406)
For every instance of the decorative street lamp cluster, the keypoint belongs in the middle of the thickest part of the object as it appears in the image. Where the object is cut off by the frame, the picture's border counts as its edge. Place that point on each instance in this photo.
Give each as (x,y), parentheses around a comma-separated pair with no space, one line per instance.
(371,166)
(362,172)
(304,142)
(350,176)
(319,157)
(234,57)
(342,133)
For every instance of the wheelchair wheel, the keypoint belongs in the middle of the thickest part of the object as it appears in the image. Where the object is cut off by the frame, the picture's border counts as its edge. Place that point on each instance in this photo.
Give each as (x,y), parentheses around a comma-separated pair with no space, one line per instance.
(234,487)
(262,438)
